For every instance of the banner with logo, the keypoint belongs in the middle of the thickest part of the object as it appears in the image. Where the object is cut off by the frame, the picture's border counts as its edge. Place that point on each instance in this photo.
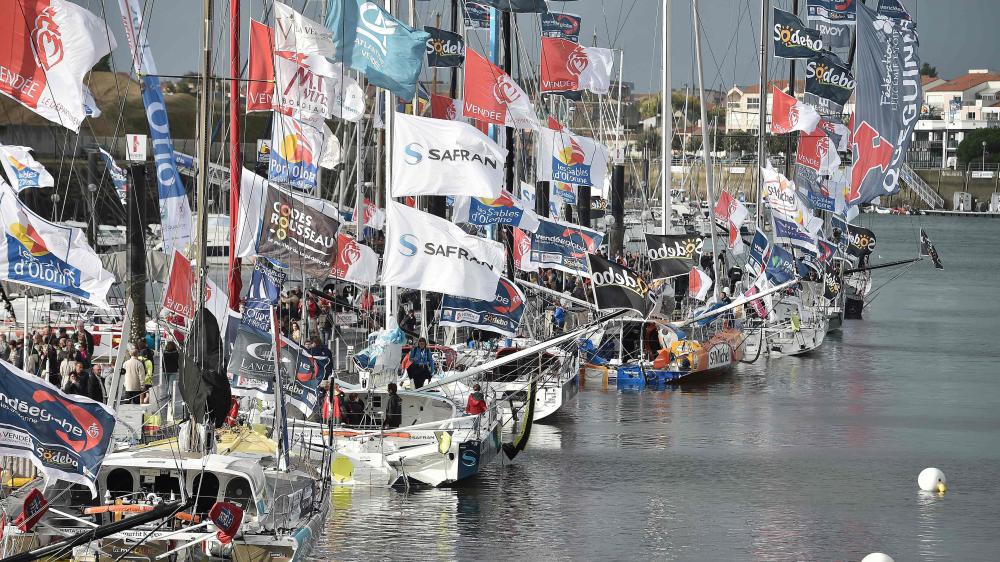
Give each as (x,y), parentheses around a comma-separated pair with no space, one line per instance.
(36,252)
(780,265)
(301,235)
(820,201)
(927,249)
(522,252)
(825,251)
(838,132)
(565,192)
(784,200)
(175,210)
(787,232)
(310,87)
(23,171)
(888,98)
(356,263)
(65,436)
(429,253)
(893,9)
(834,19)
(518,6)
(299,34)
(789,114)
(568,67)
(672,255)
(571,159)
(860,241)
(443,107)
(501,315)
(179,295)
(262,295)
(829,78)
(251,370)
(477,16)
(48,48)
(562,26)
(436,157)
(760,250)
(617,287)
(817,153)
(502,210)
(840,232)
(370,40)
(444,48)
(490,95)
(564,246)
(260,68)
(295,150)
(792,39)
(118,176)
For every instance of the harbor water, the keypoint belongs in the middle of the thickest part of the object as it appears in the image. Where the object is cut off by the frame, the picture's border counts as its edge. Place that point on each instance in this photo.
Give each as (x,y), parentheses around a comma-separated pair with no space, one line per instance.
(809,458)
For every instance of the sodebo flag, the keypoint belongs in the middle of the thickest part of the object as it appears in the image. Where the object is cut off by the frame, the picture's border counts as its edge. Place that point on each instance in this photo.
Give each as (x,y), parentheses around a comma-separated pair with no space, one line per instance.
(22,169)
(48,47)
(36,252)
(568,158)
(436,157)
(432,254)
(492,96)
(617,287)
(570,67)
(789,114)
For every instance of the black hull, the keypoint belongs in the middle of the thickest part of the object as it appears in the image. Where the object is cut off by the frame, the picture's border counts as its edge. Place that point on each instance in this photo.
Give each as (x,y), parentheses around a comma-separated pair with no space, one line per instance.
(853,308)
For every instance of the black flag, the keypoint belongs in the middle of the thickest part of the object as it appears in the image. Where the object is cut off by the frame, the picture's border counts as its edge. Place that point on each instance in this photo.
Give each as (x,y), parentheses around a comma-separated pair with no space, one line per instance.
(444,48)
(672,256)
(521,6)
(617,287)
(927,249)
(860,241)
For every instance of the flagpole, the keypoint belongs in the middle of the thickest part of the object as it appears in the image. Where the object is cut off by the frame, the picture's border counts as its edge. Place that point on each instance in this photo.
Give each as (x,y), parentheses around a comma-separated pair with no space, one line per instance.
(27,335)
(390,293)
(279,393)
(667,122)
(235,282)
(762,110)
(705,149)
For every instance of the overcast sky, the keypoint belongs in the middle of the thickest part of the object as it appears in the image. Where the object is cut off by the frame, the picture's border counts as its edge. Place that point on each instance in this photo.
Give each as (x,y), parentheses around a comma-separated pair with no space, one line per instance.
(955,35)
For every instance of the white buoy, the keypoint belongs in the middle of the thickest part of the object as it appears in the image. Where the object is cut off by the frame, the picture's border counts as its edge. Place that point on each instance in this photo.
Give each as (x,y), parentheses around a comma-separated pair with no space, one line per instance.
(877,557)
(932,480)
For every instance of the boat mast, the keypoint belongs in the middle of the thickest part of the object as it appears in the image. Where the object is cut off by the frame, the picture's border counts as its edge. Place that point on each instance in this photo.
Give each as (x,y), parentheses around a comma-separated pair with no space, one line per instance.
(235,283)
(762,110)
(388,101)
(705,149)
(666,121)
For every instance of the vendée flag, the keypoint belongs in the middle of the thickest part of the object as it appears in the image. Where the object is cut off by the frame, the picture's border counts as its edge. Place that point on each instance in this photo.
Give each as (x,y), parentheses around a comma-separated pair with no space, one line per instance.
(448,109)
(65,436)
(179,296)
(175,211)
(501,315)
(429,253)
(260,67)
(699,284)
(522,251)
(436,157)
(23,171)
(370,40)
(356,262)
(490,95)
(48,48)
(503,210)
(817,152)
(568,67)
(889,97)
(568,158)
(36,252)
(789,114)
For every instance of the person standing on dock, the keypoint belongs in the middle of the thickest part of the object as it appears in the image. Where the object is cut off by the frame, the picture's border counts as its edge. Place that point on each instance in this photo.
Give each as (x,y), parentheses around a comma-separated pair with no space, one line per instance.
(135,372)
(393,409)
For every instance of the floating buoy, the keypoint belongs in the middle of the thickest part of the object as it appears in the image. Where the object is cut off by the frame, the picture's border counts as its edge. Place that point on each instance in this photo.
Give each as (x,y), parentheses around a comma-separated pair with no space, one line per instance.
(877,557)
(932,480)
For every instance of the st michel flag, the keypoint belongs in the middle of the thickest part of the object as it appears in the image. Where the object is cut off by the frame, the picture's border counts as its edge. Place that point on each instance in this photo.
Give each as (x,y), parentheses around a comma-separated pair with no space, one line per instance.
(569,67)
(22,169)
(48,47)
(571,159)
(42,254)
(889,96)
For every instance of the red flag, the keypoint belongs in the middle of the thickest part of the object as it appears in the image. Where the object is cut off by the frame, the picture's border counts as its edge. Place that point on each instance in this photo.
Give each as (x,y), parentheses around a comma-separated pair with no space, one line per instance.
(698,283)
(554,124)
(443,107)
(178,296)
(722,206)
(486,90)
(227,518)
(789,114)
(35,506)
(560,58)
(816,152)
(260,88)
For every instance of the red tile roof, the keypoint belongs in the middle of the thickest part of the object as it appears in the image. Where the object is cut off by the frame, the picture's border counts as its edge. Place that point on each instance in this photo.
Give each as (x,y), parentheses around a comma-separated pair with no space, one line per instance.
(963,83)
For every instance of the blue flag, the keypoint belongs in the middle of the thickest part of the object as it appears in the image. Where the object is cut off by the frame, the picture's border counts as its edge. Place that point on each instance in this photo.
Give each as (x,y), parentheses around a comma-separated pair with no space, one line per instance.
(501,315)
(760,249)
(64,435)
(522,6)
(788,232)
(371,41)
(780,265)
(117,174)
(264,292)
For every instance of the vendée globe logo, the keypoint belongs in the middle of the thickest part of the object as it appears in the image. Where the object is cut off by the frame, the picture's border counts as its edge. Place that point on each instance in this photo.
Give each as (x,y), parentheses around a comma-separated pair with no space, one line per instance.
(409,245)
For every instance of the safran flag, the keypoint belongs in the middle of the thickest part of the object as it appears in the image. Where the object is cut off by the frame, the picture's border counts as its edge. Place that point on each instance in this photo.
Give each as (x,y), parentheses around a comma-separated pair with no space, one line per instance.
(42,254)
(568,67)
(64,436)
(618,287)
(565,157)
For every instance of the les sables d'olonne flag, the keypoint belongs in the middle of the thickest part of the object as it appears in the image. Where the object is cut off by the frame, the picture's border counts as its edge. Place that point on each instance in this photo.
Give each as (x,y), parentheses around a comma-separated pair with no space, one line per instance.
(42,254)
(565,157)
(505,209)
(48,47)
(570,67)
(65,436)
(22,169)
(355,262)
(436,157)
(432,254)
(490,95)
(888,98)
(789,114)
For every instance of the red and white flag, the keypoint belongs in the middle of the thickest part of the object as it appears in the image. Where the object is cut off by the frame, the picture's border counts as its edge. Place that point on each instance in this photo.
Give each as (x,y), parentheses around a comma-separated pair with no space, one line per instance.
(569,67)
(443,107)
(698,284)
(522,251)
(260,69)
(355,262)
(817,152)
(733,213)
(490,95)
(48,47)
(789,114)
(179,294)
(370,216)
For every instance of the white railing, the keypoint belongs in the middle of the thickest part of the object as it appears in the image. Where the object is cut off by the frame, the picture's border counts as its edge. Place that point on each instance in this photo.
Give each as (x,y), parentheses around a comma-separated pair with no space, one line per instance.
(920,187)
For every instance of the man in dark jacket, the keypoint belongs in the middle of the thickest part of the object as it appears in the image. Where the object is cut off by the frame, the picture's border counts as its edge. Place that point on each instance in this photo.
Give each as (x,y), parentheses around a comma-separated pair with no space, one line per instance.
(393,409)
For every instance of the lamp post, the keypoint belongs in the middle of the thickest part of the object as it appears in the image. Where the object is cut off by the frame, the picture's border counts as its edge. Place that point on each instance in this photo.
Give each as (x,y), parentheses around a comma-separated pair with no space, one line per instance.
(984,155)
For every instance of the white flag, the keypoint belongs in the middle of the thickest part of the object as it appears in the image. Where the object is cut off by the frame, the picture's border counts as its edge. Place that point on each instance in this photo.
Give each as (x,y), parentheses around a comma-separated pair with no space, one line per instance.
(331,155)
(436,157)
(22,169)
(432,254)
(355,262)
(596,77)
(48,47)
(784,200)
(297,33)
(699,284)
(568,158)
(520,111)
(309,86)
(42,254)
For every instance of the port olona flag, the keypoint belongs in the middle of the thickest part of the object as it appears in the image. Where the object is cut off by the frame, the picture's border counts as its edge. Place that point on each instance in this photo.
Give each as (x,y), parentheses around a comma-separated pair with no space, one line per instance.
(617,287)
(42,254)
(568,158)
(429,253)
(64,436)
(23,171)
(568,67)
(48,47)
(370,40)
(295,150)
